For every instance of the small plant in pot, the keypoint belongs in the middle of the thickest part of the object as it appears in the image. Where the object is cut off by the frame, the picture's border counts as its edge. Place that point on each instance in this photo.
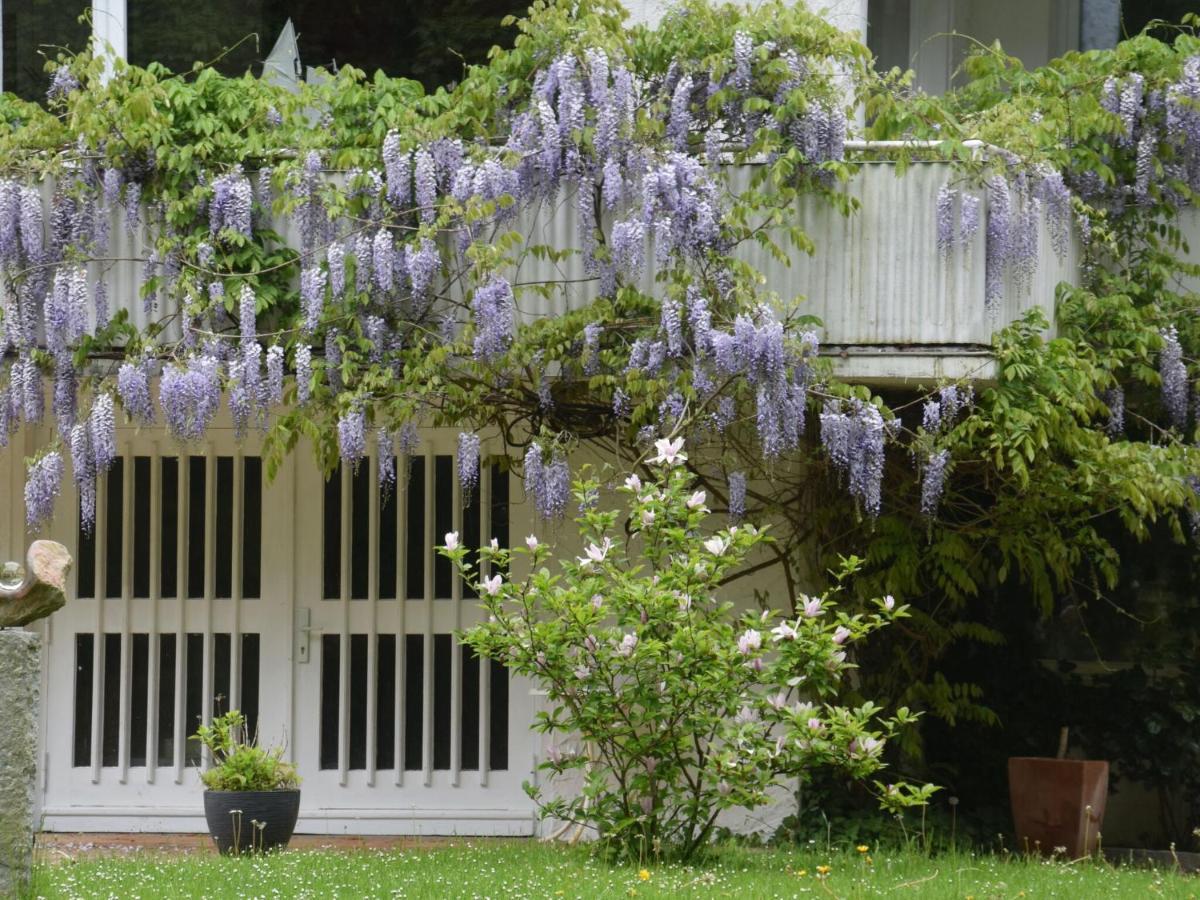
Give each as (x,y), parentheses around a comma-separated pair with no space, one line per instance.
(253,794)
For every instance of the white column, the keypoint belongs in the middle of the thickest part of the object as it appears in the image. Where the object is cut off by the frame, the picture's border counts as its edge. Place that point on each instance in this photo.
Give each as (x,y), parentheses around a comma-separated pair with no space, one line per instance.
(110,27)
(848,15)
(1100,24)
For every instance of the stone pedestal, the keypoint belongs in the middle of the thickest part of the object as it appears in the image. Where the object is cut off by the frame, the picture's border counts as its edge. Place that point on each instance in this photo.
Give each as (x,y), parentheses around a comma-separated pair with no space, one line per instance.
(20,680)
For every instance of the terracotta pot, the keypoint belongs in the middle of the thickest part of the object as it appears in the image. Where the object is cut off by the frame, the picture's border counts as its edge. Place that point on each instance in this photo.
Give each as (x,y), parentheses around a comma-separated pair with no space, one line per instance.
(232,818)
(1058,803)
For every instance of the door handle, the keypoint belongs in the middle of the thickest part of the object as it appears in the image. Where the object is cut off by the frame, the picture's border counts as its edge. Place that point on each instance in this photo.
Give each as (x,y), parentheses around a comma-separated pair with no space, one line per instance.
(304,632)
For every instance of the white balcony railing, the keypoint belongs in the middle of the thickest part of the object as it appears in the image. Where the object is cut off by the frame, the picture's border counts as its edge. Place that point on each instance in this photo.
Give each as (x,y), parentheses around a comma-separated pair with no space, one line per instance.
(894,310)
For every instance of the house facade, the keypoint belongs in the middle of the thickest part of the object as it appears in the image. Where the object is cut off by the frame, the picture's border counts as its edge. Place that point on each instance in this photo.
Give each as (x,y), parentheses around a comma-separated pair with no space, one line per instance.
(320,607)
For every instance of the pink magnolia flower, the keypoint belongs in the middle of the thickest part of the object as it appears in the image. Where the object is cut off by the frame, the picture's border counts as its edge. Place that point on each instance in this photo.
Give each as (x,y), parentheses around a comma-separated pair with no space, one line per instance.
(784,631)
(531,542)
(812,607)
(492,585)
(696,501)
(669,452)
(647,517)
(716,545)
(452,540)
(627,645)
(749,641)
(889,602)
(840,634)
(633,483)
(595,553)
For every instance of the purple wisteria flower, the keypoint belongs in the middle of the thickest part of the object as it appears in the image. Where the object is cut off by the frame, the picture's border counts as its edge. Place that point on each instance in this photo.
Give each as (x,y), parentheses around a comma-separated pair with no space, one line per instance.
(493,308)
(628,246)
(1173,372)
(190,397)
(408,439)
(737,496)
(352,436)
(397,171)
(133,387)
(468,461)
(945,218)
(1114,399)
(934,481)
(312,296)
(84,475)
(999,238)
(425,180)
(547,483)
(42,485)
(303,374)
(102,433)
(274,382)
(853,434)
(231,205)
(30,222)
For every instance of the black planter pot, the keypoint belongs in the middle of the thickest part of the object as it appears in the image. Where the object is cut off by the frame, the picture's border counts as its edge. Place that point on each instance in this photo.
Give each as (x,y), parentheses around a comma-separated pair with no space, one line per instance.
(251,821)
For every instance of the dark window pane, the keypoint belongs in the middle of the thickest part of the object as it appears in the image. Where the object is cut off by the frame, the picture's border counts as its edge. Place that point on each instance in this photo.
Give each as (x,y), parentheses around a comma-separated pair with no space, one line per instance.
(498,715)
(86,551)
(112,700)
(331,655)
(415,532)
(470,536)
(442,722)
(252,527)
(139,700)
(360,532)
(222,647)
(224,532)
(470,709)
(166,699)
(388,510)
(332,525)
(500,505)
(114,539)
(197,476)
(193,695)
(236,35)
(169,525)
(249,687)
(35,30)
(84,660)
(141,526)
(385,705)
(414,687)
(443,517)
(358,701)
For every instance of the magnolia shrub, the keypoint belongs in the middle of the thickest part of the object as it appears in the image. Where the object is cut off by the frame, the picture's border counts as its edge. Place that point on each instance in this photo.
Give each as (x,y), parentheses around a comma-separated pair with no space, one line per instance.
(671,704)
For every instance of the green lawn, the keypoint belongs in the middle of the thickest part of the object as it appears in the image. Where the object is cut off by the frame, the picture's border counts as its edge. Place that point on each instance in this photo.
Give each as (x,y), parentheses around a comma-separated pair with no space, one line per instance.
(528,869)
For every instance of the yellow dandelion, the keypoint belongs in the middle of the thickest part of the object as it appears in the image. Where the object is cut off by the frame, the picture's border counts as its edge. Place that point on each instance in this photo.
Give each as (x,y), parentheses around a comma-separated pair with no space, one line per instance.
(802,872)
(644,874)
(822,870)
(862,848)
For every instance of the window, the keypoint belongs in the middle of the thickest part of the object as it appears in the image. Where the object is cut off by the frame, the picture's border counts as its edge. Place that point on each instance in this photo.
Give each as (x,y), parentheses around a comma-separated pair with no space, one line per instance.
(140,699)
(167,563)
(426,41)
(34,31)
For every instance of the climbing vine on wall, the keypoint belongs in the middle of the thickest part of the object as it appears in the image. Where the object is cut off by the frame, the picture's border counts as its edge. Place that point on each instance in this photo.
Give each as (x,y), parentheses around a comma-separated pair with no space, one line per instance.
(338,265)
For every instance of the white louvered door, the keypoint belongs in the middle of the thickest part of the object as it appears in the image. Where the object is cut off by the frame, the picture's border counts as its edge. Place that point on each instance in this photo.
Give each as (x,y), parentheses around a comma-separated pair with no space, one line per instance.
(178,596)
(399,729)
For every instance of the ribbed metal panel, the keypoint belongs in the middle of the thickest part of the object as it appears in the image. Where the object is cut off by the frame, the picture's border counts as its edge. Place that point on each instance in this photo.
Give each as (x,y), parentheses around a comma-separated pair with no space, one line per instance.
(876,279)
